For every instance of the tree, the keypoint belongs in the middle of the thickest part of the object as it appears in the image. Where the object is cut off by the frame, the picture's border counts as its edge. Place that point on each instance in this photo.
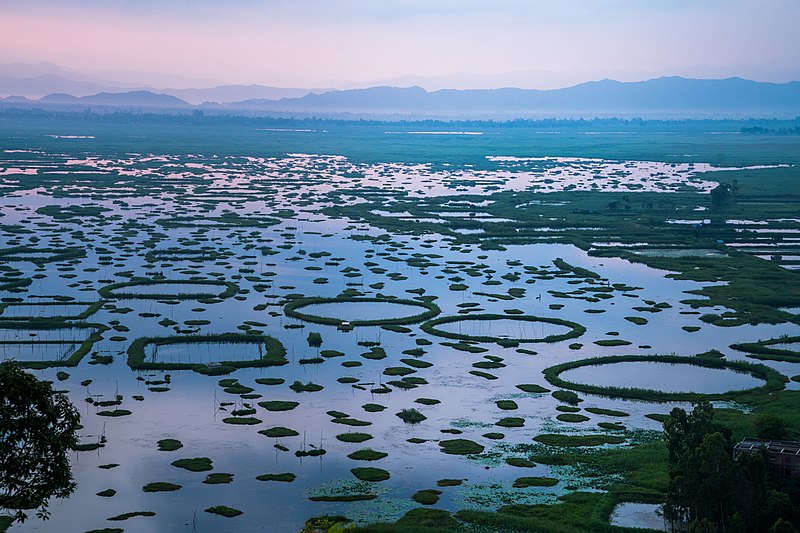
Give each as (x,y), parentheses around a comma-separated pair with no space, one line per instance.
(698,450)
(721,196)
(37,431)
(769,426)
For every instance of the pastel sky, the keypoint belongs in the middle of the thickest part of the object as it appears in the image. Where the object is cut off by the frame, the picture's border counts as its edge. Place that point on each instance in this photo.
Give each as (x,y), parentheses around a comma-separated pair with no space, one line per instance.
(323,43)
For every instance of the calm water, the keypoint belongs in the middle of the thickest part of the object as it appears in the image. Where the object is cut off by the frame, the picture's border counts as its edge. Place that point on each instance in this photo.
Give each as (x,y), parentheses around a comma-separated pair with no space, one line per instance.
(662,376)
(271,263)
(348,311)
(504,327)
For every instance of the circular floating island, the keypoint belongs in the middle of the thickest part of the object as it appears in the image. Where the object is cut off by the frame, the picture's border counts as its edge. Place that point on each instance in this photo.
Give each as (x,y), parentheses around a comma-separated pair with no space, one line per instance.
(503,328)
(360,311)
(664,377)
(151,289)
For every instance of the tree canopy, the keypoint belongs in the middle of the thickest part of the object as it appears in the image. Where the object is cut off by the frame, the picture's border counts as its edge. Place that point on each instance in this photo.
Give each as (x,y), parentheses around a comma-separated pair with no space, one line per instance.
(37,431)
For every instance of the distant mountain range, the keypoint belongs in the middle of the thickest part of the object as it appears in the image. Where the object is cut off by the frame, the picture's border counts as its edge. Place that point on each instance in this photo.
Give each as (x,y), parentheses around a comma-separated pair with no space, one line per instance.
(35,80)
(668,95)
(673,96)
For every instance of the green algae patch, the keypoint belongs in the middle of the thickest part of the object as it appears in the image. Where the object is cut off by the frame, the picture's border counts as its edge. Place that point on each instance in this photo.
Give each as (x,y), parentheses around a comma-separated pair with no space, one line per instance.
(532,388)
(367,455)
(369,473)
(242,421)
(353,437)
(606,412)
(511,422)
(556,439)
(279,432)
(299,386)
(426,496)
(278,405)
(196,464)
(520,462)
(218,479)
(411,416)
(572,418)
(169,445)
(525,482)
(270,381)
(566,397)
(285,477)
(224,510)
(161,486)
(132,514)
(461,447)
(612,342)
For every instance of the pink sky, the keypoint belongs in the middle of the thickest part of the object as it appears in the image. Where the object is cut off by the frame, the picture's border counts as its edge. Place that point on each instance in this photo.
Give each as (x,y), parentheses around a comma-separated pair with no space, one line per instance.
(324,43)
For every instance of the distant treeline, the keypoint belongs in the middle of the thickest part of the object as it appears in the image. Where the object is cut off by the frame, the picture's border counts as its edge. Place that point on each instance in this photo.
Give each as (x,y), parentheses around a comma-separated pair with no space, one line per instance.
(751,126)
(759,130)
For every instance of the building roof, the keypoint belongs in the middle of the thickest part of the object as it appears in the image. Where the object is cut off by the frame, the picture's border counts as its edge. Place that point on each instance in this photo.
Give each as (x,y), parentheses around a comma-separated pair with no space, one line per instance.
(782,447)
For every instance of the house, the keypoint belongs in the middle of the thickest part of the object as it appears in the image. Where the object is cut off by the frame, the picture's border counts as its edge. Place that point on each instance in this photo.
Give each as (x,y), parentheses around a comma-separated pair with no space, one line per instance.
(783,456)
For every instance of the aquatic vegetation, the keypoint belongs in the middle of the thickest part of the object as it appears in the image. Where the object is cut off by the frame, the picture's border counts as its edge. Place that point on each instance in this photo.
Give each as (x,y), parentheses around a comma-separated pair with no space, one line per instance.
(520,462)
(279,432)
(127,289)
(274,356)
(218,479)
(512,238)
(197,464)
(128,516)
(426,496)
(223,510)
(511,422)
(572,418)
(292,309)
(368,473)
(773,380)
(411,416)
(555,439)
(771,349)
(169,445)
(353,437)
(286,477)
(461,447)
(430,327)
(525,482)
(160,486)
(367,454)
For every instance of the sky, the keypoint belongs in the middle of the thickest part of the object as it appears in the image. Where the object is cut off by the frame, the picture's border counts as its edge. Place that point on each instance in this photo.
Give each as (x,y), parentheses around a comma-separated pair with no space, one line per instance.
(458,43)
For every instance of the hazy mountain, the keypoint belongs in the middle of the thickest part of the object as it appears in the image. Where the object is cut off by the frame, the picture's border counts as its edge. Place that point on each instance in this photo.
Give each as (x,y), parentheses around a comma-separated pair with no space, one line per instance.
(662,95)
(43,84)
(234,93)
(138,99)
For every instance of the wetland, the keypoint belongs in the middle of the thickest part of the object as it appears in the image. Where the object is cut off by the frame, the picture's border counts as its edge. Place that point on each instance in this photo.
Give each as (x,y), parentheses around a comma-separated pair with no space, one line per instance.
(269,326)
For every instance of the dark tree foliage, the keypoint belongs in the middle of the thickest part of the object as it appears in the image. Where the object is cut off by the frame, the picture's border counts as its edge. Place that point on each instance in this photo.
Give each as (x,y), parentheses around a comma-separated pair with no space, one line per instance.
(37,431)
(769,426)
(722,196)
(710,492)
(695,444)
